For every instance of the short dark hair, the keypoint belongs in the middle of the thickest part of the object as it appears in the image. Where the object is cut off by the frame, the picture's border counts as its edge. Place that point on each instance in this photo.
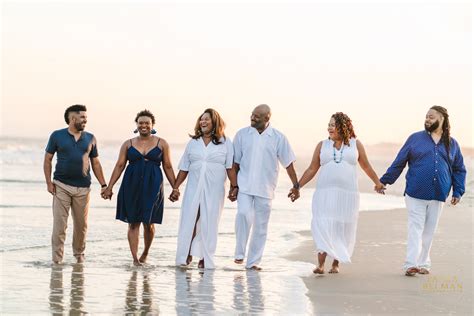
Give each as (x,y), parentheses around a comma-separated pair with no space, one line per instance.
(145,113)
(73,108)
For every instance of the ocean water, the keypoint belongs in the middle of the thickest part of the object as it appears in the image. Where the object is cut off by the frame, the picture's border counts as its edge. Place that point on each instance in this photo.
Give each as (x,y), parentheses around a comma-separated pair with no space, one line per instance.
(108,283)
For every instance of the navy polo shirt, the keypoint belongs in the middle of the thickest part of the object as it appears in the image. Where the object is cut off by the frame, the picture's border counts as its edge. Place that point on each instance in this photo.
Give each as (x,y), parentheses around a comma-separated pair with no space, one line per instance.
(72,166)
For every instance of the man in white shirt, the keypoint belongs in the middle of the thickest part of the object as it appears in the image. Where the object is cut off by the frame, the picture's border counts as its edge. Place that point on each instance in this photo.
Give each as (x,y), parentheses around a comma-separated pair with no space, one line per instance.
(257,151)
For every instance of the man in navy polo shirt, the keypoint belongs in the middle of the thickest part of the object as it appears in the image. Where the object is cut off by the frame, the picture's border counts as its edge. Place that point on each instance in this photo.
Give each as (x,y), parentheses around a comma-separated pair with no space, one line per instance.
(435,165)
(71,182)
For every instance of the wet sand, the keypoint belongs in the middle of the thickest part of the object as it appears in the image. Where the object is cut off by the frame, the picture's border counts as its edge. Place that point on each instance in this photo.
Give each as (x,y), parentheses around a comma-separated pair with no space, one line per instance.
(374,282)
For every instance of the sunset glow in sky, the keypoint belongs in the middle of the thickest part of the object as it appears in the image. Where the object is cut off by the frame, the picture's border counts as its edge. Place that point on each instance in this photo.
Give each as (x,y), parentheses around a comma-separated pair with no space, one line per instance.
(383,63)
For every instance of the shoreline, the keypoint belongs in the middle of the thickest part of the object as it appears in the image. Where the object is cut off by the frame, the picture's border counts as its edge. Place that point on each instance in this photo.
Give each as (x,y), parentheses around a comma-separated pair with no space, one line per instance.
(375,283)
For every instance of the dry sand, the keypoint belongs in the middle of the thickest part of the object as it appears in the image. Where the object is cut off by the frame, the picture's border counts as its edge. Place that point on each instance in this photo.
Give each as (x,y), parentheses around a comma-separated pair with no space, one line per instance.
(374,282)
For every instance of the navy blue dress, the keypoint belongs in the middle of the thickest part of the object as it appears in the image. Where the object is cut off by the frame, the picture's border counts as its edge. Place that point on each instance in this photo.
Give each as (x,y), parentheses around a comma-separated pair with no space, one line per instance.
(140,198)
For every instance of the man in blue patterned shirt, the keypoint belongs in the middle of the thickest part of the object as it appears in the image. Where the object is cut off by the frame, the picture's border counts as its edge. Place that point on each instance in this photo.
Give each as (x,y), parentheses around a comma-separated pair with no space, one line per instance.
(431,174)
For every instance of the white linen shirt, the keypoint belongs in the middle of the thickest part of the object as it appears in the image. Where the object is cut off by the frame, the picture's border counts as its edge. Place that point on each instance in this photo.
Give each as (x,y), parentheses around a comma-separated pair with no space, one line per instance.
(258,156)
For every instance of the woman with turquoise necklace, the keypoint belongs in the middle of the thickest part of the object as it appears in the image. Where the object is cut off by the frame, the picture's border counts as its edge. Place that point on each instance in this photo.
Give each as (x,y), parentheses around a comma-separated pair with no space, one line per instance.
(336,198)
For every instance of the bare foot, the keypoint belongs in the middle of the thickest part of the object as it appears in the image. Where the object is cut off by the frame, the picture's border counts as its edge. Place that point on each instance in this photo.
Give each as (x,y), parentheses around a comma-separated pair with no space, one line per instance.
(334,269)
(239,261)
(201,264)
(80,259)
(318,270)
(424,271)
(256,268)
(189,259)
(137,263)
(143,258)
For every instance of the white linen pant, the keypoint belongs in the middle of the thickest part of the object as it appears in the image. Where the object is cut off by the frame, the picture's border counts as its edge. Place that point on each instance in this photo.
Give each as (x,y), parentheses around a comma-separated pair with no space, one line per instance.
(251,211)
(423,217)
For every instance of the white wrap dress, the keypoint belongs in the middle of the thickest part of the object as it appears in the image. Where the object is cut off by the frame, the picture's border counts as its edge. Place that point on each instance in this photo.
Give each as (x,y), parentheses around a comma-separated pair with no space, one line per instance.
(205,191)
(336,201)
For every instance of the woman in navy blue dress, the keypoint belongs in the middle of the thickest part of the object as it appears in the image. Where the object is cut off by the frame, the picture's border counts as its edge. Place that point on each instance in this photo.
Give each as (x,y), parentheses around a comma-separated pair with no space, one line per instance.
(140,198)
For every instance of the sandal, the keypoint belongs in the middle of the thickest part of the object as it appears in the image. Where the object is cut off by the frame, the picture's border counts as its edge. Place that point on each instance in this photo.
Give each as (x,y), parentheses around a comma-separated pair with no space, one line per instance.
(412,271)
(424,271)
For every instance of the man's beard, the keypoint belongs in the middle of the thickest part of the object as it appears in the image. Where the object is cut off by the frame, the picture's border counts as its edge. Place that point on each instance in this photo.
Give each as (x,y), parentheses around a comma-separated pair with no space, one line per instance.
(79,127)
(432,127)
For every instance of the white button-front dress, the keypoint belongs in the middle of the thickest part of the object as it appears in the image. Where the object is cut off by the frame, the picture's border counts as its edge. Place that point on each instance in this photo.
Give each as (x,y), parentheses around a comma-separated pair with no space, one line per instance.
(205,191)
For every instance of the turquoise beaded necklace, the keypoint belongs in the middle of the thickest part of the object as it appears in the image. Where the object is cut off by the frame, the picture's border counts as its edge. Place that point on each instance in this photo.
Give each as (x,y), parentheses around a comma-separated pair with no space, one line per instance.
(334,153)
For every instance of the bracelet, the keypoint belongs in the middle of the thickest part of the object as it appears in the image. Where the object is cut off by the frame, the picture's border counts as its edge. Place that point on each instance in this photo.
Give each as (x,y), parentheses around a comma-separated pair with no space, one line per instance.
(234,186)
(296,186)
(175,190)
(104,185)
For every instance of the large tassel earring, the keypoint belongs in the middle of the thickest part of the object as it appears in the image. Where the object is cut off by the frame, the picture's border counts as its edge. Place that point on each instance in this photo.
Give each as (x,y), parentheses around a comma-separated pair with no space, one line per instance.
(135,131)
(153,131)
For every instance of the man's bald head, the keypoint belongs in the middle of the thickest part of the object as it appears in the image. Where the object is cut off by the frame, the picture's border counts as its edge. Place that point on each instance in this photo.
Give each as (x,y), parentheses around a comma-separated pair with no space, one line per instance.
(260,117)
(264,110)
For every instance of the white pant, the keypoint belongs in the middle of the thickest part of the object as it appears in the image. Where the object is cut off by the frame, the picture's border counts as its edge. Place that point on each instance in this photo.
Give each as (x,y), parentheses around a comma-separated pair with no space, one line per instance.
(423,217)
(251,210)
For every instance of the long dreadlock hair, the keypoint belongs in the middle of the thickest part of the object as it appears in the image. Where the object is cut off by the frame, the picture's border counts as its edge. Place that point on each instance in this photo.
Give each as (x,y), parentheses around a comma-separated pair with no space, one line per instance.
(446,137)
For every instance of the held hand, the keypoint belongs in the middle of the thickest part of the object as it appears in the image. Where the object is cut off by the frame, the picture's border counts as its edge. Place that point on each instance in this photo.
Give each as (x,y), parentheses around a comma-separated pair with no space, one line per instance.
(106,193)
(233,194)
(455,200)
(294,194)
(51,188)
(380,188)
(174,196)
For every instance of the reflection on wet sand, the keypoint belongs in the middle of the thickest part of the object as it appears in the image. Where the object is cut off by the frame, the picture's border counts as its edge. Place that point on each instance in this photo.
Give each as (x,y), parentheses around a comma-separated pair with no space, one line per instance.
(195,296)
(248,296)
(56,293)
(132,303)
(77,289)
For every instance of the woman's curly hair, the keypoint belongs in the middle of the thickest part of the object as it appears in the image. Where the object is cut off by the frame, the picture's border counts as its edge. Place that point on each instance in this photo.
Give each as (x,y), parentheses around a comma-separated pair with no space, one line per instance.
(344,127)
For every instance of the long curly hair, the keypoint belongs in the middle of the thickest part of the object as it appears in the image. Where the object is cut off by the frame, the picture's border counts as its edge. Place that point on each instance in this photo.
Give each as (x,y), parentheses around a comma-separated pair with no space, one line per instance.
(446,137)
(218,126)
(344,127)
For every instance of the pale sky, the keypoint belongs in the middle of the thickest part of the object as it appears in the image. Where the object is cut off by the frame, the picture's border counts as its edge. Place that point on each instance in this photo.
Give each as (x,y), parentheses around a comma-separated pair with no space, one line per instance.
(383,63)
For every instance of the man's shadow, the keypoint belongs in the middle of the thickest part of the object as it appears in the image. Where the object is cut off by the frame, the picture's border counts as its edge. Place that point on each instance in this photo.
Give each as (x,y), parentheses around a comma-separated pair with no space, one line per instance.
(132,297)
(248,296)
(56,293)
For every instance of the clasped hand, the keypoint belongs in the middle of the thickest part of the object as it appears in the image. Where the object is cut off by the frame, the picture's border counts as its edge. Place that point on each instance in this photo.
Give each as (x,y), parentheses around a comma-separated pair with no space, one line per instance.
(294,194)
(106,193)
(380,188)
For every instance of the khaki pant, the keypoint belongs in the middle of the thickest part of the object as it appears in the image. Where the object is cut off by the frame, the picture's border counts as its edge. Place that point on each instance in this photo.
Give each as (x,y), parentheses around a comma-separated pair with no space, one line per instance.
(77,199)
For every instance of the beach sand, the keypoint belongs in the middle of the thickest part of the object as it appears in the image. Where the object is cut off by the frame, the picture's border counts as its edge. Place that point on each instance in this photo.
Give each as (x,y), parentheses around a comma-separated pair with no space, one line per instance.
(374,282)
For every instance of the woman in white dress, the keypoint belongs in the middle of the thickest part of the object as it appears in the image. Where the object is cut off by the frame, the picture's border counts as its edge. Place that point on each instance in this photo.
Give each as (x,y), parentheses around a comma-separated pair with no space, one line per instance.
(336,198)
(206,162)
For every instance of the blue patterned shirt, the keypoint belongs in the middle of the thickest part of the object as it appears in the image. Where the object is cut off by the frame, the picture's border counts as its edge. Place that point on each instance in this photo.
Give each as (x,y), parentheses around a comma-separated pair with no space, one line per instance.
(430,176)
